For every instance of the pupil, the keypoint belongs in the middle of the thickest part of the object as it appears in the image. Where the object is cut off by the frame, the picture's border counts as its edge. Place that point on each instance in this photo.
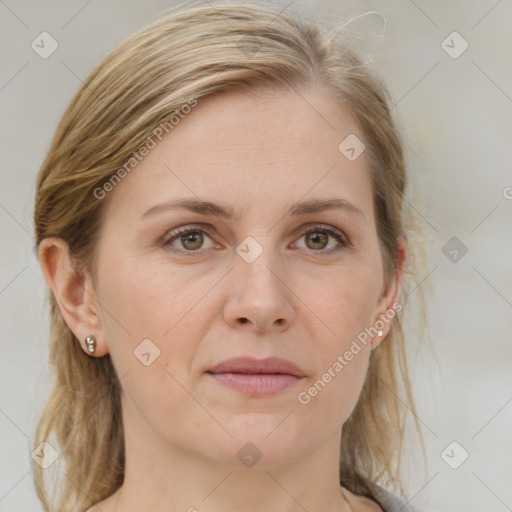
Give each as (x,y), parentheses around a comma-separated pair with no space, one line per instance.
(317,238)
(192,237)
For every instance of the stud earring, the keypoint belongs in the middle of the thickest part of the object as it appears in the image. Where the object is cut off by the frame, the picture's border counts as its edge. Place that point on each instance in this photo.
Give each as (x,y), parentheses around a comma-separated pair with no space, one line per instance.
(90,343)
(379,333)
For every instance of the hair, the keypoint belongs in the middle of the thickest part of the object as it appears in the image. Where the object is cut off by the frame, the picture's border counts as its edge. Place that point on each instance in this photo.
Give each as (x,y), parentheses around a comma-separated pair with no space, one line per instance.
(192,52)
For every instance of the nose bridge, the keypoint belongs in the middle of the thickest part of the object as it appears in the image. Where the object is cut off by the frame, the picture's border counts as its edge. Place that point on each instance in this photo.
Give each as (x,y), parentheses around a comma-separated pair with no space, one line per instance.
(257,264)
(258,293)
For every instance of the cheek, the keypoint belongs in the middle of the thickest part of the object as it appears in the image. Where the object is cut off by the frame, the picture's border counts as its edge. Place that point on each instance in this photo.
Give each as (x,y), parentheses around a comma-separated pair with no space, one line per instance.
(147,314)
(148,298)
(346,303)
(153,308)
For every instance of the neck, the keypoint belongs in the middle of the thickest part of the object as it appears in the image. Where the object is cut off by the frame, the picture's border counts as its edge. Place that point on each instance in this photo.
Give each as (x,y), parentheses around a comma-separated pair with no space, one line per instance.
(167,478)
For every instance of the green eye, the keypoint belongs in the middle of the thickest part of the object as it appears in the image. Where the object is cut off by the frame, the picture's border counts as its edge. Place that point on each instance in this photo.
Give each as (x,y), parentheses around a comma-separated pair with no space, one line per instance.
(317,239)
(192,239)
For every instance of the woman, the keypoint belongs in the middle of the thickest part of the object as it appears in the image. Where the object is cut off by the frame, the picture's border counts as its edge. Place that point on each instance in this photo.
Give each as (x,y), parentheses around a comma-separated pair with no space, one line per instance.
(220,221)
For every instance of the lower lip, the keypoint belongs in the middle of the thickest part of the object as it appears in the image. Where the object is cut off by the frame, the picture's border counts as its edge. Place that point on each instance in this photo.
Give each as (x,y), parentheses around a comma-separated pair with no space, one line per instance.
(260,384)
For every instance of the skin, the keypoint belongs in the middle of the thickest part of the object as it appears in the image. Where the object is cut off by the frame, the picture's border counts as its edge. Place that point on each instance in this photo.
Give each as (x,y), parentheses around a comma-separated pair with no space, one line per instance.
(298,300)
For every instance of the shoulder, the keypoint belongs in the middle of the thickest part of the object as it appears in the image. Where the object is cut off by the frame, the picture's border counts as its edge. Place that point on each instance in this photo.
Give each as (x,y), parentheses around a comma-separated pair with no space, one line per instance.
(390,502)
(361,503)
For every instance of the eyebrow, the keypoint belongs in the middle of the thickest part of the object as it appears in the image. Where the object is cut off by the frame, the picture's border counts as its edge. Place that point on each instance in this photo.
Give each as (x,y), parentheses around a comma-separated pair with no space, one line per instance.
(227,212)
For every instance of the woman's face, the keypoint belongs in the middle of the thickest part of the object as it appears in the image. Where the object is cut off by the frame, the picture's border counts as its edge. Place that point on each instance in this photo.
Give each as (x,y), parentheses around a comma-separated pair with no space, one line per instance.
(246,281)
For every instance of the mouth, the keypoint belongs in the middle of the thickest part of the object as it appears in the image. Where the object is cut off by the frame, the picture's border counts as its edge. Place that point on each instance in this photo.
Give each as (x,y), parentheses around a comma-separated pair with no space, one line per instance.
(257,377)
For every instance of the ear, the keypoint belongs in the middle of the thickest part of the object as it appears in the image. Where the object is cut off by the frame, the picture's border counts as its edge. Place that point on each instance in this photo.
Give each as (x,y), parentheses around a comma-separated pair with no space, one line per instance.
(74,292)
(388,303)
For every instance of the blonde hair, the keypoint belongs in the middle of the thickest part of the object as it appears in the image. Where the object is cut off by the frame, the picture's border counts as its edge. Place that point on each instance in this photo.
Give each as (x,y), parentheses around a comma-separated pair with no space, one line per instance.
(195,51)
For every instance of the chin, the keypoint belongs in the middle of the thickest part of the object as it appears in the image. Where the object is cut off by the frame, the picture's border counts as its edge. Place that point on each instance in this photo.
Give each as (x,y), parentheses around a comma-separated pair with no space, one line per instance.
(261,440)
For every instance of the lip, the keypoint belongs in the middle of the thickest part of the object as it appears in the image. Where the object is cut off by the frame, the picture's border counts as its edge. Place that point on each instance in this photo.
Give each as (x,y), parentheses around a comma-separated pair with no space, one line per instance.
(250,365)
(257,377)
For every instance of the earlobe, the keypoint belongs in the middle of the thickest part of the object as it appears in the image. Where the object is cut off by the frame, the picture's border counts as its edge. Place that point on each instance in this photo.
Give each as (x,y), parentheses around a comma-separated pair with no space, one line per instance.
(73,291)
(389,304)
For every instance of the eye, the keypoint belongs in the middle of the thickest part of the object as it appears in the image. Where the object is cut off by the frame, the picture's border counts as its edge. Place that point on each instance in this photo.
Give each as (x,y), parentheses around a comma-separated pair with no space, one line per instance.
(189,238)
(317,239)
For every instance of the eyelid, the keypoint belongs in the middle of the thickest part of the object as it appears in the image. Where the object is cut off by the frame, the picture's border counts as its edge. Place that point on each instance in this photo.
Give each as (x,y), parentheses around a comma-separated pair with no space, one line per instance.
(173,234)
(339,235)
(186,227)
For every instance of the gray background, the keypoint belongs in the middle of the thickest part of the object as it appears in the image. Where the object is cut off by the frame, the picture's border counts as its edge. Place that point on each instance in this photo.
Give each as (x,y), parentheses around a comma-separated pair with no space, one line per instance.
(456,114)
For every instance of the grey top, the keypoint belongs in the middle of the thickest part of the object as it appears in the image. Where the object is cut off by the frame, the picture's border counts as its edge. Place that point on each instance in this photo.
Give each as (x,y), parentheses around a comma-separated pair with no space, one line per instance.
(388,501)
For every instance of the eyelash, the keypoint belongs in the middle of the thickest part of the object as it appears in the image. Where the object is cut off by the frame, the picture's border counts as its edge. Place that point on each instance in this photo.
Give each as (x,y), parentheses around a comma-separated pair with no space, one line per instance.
(173,235)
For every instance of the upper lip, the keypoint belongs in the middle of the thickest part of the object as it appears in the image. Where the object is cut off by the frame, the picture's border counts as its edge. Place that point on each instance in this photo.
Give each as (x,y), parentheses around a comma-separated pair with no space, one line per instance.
(250,365)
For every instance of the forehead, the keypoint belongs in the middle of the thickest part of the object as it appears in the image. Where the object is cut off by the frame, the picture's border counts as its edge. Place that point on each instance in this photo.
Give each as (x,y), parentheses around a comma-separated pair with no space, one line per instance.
(260,149)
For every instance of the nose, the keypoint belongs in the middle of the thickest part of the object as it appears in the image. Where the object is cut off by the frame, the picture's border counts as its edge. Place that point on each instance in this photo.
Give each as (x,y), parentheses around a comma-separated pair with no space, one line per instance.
(259,299)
